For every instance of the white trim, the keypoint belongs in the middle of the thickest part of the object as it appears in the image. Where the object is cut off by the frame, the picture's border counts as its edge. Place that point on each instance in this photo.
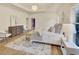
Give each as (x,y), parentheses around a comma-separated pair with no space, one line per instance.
(19,6)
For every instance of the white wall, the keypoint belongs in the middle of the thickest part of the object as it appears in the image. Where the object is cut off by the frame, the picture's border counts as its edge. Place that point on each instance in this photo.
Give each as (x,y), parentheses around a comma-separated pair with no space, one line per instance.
(44,20)
(6,11)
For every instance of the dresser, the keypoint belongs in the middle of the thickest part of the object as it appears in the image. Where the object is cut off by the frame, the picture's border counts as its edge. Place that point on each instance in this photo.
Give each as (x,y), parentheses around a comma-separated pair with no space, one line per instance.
(16,30)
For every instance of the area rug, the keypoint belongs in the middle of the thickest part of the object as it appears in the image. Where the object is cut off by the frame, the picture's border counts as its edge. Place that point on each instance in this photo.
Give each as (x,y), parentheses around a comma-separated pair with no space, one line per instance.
(24,45)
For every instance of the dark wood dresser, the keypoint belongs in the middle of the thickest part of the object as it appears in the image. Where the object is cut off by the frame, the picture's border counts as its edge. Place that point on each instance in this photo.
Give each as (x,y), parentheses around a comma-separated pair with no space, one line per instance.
(16,30)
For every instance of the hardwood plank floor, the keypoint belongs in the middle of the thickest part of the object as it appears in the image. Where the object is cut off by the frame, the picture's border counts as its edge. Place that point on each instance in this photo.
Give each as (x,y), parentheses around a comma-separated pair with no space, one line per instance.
(55,50)
(9,51)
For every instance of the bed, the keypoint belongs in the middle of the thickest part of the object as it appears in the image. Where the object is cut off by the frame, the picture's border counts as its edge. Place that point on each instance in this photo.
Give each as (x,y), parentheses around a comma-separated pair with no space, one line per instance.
(48,37)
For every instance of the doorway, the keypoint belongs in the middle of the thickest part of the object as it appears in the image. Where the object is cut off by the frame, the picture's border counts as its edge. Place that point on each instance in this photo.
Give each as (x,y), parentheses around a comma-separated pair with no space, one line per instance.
(33,23)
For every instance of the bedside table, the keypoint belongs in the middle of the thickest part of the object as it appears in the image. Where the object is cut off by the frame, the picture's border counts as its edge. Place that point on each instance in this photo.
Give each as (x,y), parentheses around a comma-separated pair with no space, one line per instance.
(69,47)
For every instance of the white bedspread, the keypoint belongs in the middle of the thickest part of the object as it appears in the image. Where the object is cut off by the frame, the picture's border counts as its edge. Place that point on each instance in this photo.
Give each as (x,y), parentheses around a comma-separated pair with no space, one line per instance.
(47,37)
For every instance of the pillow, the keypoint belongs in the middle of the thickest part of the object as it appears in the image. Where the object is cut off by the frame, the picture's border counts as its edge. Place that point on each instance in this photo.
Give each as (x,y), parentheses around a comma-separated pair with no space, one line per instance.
(51,29)
(58,28)
(38,34)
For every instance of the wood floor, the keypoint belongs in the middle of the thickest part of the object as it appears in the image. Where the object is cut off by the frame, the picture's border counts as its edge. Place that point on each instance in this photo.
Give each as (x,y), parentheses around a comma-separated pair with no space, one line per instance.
(55,50)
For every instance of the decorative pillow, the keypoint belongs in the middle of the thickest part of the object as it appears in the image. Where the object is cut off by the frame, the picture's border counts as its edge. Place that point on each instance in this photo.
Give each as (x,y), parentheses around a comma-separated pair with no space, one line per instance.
(58,28)
(51,29)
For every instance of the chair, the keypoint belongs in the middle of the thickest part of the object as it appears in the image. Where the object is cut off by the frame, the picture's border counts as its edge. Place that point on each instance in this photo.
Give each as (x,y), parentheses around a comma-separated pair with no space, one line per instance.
(3,35)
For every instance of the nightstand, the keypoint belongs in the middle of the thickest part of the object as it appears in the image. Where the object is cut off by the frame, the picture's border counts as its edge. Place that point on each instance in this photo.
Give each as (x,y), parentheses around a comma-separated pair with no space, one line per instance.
(69,47)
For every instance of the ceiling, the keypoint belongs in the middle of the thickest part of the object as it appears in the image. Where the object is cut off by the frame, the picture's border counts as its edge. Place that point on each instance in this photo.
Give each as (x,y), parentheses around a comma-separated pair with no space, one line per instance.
(42,7)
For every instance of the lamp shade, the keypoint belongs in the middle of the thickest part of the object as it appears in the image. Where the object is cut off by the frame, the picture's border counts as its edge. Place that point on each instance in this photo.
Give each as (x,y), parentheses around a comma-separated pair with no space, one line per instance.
(69,30)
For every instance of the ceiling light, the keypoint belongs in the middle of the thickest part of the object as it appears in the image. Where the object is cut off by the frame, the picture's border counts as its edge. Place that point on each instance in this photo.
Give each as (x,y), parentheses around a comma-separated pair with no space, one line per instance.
(34,7)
